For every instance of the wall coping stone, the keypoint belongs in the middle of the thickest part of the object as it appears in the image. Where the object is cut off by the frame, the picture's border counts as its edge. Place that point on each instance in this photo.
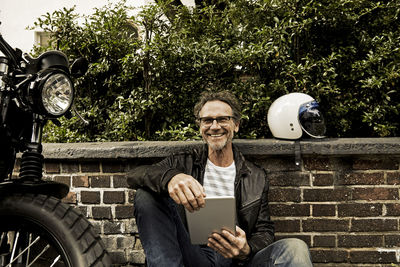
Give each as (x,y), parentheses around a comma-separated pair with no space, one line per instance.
(252,147)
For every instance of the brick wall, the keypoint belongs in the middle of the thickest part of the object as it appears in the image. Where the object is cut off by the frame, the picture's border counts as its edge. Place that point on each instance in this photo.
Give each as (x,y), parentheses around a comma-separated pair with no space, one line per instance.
(342,200)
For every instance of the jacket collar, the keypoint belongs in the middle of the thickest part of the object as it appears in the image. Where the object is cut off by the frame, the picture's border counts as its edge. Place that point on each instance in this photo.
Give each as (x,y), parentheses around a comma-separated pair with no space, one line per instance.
(201,156)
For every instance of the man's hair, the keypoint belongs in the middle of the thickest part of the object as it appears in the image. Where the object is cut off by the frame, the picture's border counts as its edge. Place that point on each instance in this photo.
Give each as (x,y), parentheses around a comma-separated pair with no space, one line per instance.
(224,96)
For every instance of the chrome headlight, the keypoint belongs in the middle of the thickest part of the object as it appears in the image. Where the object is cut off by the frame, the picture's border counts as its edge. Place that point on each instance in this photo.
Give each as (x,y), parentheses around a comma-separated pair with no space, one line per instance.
(57,93)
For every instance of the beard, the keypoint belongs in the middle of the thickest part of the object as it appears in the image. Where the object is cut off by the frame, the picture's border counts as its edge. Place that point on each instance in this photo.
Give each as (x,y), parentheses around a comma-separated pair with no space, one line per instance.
(219,145)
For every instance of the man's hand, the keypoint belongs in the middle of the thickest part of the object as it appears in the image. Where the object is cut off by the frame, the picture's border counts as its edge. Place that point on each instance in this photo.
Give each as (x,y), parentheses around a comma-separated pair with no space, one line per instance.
(186,190)
(229,245)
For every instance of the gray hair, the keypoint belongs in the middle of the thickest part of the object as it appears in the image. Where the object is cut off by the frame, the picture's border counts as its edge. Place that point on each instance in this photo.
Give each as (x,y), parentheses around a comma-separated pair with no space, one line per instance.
(224,96)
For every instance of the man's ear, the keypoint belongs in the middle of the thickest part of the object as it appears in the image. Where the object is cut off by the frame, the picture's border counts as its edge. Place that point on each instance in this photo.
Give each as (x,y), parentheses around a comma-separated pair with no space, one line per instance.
(236,127)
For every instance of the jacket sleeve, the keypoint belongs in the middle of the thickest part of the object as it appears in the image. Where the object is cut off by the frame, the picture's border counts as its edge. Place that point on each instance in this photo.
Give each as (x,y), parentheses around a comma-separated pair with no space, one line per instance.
(263,234)
(154,177)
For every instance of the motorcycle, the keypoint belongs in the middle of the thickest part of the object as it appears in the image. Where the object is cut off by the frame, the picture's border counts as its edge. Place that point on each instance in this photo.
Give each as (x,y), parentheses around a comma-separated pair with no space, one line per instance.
(36,227)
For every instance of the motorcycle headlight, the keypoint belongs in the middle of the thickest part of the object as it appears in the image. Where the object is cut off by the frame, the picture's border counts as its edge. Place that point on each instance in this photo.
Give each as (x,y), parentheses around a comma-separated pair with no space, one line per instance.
(57,94)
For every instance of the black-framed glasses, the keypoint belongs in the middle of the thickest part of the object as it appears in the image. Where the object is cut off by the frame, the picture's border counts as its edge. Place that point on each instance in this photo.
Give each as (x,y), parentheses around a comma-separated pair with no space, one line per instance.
(221,120)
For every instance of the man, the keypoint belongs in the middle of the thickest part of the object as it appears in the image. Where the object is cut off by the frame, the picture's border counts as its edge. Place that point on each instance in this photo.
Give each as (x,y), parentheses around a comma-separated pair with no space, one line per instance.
(183,180)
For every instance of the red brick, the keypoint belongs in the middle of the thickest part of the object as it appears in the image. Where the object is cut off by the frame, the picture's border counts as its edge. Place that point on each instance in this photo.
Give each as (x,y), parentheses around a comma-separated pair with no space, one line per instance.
(375,193)
(103,181)
(90,197)
(131,195)
(70,167)
(117,257)
(323,210)
(284,195)
(119,181)
(360,241)
(372,257)
(379,164)
(114,197)
(325,225)
(289,179)
(51,167)
(286,226)
(124,212)
(289,210)
(80,181)
(328,255)
(101,212)
(393,178)
(324,241)
(362,178)
(275,164)
(70,198)
(392,240)
(359,210)
(63,179)
(90,166)
(112,167)
(321,164)
(392,209)
(322,195)
(112,227)
(322,179)
(373,225)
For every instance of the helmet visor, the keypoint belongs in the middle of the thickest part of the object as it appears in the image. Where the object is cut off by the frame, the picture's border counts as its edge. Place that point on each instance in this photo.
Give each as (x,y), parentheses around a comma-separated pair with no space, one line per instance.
(311,119)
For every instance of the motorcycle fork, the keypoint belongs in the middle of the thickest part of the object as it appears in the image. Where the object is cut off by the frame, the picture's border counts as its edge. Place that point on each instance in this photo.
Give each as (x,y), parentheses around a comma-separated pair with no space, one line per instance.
(32,159)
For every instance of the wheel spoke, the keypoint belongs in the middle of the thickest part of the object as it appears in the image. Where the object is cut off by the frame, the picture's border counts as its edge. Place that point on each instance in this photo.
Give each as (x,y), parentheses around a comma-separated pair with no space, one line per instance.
(14,248)
(55,260)
(40,254)
(29,249)
(23,251)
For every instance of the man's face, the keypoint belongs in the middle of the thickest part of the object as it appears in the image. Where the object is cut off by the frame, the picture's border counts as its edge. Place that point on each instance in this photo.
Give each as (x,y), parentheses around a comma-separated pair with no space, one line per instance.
(217,135)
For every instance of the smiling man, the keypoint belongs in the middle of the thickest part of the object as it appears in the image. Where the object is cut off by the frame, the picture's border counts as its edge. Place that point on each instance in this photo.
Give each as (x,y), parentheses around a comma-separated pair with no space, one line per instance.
(182,181)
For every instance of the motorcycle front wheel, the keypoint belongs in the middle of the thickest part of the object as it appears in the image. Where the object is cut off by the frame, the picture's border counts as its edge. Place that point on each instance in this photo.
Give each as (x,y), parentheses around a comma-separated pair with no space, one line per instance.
(41,231)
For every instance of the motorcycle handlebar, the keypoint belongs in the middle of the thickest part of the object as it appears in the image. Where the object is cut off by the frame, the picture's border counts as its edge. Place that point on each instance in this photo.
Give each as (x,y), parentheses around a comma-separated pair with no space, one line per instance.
(8,51)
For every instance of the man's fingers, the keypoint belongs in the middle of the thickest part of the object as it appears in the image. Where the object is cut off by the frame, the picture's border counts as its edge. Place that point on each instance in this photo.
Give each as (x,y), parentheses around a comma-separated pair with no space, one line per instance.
(198,192)
(186,190)
(222,241)
(214,244)
(175,197)
(183,199)
(194,193)
(188,198)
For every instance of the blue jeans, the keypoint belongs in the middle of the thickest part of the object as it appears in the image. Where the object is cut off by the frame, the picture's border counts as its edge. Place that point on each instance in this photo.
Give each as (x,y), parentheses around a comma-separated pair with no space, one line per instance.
(166,241)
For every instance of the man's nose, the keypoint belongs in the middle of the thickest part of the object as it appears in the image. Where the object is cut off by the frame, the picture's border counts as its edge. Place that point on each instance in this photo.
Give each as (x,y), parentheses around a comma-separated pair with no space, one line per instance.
(215,125)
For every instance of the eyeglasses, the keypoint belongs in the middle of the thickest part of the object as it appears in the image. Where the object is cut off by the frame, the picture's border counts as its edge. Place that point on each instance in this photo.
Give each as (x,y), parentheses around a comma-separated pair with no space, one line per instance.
(208,121)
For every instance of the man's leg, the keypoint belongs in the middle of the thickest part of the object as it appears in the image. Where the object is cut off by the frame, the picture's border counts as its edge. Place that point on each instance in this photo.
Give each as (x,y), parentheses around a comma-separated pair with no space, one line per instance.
(289,252)
(163,235)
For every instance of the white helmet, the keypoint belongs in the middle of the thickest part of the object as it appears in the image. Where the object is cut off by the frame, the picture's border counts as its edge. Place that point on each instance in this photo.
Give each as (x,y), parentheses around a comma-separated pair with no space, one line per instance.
(293,113)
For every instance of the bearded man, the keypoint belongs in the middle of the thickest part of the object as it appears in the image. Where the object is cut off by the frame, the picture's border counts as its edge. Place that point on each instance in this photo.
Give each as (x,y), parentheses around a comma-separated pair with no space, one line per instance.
(183,180)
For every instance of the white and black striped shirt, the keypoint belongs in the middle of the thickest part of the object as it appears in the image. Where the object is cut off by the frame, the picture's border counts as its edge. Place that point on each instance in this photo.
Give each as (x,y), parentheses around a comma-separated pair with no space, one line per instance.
(219,181)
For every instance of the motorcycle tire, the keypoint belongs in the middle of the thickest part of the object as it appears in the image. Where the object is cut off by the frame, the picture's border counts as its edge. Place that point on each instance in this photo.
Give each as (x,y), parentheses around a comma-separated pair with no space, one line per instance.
(31,223)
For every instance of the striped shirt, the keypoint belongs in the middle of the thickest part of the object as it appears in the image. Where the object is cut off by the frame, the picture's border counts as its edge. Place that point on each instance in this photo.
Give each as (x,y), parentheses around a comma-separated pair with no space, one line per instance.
(219,181)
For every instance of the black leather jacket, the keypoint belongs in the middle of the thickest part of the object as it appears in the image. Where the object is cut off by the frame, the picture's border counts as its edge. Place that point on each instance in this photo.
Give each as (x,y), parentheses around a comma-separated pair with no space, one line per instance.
(251,190)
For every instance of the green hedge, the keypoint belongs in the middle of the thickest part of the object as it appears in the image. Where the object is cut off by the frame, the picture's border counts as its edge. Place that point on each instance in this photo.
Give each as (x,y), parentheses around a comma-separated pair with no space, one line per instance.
(147,72)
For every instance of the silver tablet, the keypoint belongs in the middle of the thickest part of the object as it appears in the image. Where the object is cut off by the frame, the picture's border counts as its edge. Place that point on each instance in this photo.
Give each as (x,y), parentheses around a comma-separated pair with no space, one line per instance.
(218,213)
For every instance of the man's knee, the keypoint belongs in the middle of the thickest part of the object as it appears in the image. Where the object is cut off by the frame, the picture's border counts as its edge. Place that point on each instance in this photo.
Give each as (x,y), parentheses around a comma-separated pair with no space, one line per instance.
(297,246)
(143,200)
(285,252)
(149,203)
(296,251)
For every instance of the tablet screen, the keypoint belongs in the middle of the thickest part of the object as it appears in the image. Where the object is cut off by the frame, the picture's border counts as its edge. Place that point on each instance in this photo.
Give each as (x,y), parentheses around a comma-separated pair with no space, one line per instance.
(218,213)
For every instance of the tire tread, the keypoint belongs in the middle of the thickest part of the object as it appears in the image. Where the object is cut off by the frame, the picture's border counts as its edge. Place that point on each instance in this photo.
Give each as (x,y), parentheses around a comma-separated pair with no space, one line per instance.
(89,243)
